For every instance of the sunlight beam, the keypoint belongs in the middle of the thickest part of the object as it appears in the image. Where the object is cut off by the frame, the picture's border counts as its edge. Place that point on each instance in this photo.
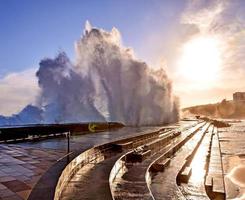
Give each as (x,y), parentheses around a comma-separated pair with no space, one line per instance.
(200,60)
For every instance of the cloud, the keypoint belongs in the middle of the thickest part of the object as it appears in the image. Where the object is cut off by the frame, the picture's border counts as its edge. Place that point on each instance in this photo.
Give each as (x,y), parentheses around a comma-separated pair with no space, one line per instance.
(17,90)
(224,20)
(202,14)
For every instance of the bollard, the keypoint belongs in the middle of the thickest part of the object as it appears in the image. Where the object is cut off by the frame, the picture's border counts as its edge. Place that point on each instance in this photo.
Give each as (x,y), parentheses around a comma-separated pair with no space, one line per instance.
(68,134)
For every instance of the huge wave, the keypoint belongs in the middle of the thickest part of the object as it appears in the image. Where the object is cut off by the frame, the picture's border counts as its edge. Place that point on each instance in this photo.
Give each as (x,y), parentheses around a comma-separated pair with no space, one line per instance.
(105,83)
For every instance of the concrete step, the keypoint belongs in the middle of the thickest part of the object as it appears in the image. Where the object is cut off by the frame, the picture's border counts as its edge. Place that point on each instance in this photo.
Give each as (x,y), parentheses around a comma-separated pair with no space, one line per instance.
(156,167)
(138,156)
(123,146)
(185,175)
(209,182)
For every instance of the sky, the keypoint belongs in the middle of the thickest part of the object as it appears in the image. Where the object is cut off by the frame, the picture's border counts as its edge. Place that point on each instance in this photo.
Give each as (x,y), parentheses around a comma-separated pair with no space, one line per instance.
(199,43)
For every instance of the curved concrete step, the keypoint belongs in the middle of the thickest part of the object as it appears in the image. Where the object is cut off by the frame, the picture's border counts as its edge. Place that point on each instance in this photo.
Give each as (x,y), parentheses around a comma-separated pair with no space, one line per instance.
(194,186)
(88,174)
(214,183)
(163,185)
(130,181)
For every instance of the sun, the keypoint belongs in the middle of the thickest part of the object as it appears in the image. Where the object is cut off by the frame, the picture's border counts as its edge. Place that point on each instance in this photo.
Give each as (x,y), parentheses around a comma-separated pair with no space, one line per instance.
(200,60)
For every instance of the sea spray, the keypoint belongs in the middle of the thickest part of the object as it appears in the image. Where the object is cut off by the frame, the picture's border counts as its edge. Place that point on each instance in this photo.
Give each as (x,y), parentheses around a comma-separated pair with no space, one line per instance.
(106,83)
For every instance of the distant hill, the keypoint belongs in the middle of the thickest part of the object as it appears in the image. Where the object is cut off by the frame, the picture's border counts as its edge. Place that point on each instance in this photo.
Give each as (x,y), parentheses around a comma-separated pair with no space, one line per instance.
(224,109)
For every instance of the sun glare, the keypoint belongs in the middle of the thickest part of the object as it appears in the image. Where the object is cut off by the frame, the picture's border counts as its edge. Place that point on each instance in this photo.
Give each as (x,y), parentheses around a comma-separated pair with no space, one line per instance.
(200,60)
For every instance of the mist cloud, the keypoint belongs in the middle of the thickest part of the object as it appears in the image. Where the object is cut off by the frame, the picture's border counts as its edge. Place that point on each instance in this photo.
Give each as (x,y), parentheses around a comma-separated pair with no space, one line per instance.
(105,83)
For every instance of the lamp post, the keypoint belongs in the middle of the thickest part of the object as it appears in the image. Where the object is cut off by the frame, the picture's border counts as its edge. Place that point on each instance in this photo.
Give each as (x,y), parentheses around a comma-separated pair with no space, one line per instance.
(68,134)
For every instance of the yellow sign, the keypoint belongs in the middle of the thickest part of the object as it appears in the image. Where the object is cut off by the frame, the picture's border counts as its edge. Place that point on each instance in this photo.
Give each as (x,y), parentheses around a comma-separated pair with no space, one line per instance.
(92,127)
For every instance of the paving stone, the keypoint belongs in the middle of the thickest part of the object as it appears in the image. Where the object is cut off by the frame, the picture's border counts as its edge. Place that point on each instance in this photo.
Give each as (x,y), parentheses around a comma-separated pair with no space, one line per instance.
(14,197)
(27,161)
(6,193)
(2,173)
(2,187)
(24,194)
(6,178)
(22,178)
(16,185)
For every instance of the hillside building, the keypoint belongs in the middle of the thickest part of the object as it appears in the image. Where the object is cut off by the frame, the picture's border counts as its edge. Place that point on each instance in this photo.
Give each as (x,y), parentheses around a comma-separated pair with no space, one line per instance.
(239,96)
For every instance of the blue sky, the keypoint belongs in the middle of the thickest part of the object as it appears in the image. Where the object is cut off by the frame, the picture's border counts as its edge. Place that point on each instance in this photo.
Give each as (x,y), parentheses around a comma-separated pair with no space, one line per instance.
(31,30)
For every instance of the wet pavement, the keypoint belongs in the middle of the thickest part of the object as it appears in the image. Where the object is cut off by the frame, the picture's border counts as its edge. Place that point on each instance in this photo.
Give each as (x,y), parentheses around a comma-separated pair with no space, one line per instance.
(85,141)
(21,167)
(132,184)
(22,164)
(93,180)
(164,184)
(232,141)
(195,188)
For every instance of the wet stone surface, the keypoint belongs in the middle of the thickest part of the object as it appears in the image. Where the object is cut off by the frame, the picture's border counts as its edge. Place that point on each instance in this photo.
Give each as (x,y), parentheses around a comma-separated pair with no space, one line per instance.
(232,141)
(25,163)
(164,184)
(195,188)
(22,164)
(93,180)
(21,167)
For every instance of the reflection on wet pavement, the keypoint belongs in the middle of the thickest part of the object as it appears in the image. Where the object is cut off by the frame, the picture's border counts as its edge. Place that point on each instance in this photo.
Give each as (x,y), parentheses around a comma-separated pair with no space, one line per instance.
(164,184)
(195,188)
(93,180)
(22,164)
(131,183)
(21,167)
(232,141)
